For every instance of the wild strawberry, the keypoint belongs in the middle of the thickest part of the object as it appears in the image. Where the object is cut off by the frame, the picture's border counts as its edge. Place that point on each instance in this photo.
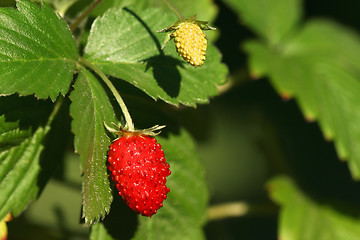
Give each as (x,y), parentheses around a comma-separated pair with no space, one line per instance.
(138,168)
(190,40)
(190,43)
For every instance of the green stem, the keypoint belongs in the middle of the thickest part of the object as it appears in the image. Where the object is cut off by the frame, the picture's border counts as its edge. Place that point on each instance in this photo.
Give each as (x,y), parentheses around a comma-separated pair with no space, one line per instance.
(240,209)
(116,94)
(174,9)
(84,15)
(226,210)
(57,106)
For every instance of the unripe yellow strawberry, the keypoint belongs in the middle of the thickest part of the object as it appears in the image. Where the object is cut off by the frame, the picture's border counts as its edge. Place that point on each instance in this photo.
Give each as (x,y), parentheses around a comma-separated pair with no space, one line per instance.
(190,40)
(190,43)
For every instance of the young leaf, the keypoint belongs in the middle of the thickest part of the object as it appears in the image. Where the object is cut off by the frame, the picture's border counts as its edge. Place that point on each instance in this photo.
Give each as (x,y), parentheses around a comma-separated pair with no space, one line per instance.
(19,166)
(126,45)
(184,211)
(302,218)
(89,109)
(318,67)
(270,19)
(37,51)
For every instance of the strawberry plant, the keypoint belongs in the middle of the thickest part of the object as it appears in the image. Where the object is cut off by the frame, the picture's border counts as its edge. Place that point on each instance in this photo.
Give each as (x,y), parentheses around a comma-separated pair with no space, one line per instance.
(124,119)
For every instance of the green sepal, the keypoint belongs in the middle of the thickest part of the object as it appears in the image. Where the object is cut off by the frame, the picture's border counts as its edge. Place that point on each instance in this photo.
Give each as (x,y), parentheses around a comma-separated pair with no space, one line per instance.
(202,24)
(118,129)
(167,39)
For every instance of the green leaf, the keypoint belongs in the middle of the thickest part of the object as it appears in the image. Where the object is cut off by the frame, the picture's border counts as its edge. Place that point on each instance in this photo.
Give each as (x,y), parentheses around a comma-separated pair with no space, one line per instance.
(37,51)
(99,232)
(89,109)
(125,45)
(270,19)
(185,209)
(203,9)
(302,218)
(19,166)
(319,67)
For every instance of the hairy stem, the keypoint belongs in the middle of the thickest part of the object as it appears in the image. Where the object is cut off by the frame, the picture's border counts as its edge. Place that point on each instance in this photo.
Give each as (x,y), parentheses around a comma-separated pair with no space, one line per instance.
(116,94)
(84,15)
(174,9)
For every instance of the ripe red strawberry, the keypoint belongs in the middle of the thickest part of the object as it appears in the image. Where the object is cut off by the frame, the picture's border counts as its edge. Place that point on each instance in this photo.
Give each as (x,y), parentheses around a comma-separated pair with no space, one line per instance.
(138,168)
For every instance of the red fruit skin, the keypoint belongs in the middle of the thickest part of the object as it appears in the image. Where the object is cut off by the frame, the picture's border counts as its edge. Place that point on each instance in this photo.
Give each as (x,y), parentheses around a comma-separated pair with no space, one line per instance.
(138,168)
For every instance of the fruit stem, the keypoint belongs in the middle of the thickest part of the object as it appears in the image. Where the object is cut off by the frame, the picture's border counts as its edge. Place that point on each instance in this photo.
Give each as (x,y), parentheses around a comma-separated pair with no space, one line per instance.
(116,94)
(54,112)
(84,15)
(174,9)
(239,209)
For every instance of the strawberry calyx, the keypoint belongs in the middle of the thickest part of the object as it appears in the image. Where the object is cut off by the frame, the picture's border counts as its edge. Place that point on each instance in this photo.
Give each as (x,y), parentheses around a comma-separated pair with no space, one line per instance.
(202,24)
(124,131)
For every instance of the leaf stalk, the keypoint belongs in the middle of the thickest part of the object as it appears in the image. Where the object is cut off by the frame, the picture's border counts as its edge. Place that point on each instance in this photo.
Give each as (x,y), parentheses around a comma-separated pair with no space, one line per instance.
(84,15)
(174,9)
(54,112)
